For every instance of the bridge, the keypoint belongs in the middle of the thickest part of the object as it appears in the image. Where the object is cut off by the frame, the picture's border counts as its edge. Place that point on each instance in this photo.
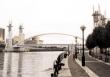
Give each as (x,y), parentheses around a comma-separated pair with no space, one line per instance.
(22,41)
(34,46)
(43,34)
(67,46)
(75,39)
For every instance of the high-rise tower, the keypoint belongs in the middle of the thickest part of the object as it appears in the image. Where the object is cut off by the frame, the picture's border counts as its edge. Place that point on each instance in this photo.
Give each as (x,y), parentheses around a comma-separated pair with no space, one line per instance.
(98,18)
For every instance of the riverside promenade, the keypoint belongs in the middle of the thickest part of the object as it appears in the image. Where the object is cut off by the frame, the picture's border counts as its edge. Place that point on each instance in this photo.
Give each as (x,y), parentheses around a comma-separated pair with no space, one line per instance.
(65,72)
(71,68)
(97,67)
(93,67)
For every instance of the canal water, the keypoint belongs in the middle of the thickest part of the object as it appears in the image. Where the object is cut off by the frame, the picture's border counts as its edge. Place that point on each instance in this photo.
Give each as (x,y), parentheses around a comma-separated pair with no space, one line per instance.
(29,64)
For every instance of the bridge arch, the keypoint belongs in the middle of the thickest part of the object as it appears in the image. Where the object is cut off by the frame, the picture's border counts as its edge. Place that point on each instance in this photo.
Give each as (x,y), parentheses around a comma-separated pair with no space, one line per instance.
(43,34)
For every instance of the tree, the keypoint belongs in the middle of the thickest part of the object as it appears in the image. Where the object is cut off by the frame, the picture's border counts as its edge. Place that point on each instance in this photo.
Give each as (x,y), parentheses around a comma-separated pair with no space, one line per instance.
(90,42)
(107,27)
(99,34)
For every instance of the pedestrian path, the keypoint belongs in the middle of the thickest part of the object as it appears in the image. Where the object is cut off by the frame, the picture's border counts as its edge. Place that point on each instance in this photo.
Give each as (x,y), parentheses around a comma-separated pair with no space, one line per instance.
(99,68)
(87,70)
(65,72)
(76,69)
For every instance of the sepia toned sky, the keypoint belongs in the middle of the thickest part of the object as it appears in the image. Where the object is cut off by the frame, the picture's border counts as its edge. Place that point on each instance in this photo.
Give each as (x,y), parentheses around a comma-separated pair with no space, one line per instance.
(50,16)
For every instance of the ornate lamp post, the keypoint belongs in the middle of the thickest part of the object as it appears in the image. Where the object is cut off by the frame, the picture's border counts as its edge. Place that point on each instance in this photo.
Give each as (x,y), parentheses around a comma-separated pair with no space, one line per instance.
(83,56)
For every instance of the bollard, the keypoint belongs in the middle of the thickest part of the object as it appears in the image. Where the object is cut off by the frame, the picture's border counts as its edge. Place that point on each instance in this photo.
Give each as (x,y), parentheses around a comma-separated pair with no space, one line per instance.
(56,71)
(52,75)
(65,55)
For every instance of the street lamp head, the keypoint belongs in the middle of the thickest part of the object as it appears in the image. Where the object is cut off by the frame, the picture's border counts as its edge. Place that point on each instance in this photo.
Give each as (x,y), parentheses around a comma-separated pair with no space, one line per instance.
(82,27)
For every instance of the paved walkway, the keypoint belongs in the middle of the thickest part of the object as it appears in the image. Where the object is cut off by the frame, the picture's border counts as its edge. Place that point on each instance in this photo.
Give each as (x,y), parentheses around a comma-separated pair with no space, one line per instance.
(65,72)
(92,68)
(71,69)
(101,69)
(76,69)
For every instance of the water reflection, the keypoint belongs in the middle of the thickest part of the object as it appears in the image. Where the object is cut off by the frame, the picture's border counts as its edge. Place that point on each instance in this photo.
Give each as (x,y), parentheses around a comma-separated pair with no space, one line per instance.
(29,64)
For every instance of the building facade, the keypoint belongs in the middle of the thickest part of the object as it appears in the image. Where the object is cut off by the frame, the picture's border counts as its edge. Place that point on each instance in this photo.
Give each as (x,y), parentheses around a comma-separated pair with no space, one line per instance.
(98,18)
(34,40)
(18,40)
(2,35)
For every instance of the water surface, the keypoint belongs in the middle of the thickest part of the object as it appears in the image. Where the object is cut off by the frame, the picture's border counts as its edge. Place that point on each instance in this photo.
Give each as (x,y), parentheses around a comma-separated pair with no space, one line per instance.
(29,64)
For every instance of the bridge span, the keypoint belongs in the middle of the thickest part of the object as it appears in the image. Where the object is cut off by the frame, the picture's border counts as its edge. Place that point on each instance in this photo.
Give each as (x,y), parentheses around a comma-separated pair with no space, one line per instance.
(43,34)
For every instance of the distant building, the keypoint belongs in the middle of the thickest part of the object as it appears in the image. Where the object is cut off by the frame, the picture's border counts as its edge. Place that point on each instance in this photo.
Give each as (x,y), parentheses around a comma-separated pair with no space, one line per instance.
(34,40)
(37,40)
(29,42)
(2,35)
(15,40)
(18,39)
(40,41)
(98,18)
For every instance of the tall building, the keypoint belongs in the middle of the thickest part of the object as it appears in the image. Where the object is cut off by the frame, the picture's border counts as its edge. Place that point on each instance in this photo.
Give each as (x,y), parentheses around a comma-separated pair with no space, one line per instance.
(98,18)
(2,35)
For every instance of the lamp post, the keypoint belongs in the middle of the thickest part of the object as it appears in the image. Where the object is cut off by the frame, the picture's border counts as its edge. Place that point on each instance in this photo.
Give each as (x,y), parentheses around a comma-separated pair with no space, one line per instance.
(83,56)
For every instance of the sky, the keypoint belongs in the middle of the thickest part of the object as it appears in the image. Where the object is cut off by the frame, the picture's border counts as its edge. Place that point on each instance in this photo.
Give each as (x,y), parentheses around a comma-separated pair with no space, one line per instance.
(50,16)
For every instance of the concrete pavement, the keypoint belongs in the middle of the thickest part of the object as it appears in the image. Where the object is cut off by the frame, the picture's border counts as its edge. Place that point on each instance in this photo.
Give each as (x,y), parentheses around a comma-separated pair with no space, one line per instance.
(71,68)
(101,69)
(75,68)
(92,68)
(65,72)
